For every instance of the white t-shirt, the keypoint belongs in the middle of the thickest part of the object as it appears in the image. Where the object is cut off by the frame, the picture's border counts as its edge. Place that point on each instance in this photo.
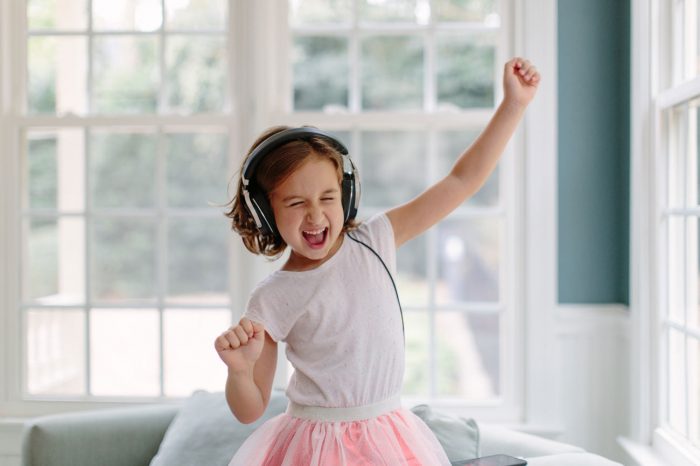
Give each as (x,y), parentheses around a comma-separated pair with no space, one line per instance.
(341,322)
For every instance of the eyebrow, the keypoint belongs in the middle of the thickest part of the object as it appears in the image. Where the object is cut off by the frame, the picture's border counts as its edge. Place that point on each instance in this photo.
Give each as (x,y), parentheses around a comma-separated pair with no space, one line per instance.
(296,196)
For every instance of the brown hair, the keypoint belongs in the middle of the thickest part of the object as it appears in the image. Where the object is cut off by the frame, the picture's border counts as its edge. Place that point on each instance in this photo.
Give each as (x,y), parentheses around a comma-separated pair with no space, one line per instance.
(271,171)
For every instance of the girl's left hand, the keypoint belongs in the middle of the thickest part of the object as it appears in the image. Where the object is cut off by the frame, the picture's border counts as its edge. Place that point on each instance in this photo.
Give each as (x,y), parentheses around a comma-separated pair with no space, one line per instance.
(520,81)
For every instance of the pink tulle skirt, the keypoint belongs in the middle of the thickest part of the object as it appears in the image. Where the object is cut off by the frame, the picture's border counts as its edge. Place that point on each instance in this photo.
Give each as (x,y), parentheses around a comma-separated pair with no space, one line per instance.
(297,438)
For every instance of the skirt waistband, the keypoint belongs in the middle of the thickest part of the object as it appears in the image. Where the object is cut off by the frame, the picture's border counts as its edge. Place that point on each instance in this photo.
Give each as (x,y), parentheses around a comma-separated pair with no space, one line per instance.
(354,413)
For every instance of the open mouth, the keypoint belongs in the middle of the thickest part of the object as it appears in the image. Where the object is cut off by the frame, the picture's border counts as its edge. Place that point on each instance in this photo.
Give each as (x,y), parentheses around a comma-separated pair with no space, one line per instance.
(316,238)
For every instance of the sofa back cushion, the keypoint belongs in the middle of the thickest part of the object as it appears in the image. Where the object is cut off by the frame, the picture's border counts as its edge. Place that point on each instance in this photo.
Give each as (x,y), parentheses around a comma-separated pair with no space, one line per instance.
(205,432)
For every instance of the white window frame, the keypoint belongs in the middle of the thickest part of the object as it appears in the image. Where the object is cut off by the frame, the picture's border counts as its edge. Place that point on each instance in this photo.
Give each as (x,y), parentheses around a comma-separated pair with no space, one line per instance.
(653,95)
(534,27)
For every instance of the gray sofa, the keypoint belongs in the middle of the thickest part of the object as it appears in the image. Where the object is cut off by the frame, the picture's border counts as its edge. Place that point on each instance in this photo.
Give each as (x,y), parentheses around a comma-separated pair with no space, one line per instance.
(162,435)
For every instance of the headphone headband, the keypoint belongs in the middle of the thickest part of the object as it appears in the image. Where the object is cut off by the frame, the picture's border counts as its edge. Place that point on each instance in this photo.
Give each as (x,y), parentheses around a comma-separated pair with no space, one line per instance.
(280,139)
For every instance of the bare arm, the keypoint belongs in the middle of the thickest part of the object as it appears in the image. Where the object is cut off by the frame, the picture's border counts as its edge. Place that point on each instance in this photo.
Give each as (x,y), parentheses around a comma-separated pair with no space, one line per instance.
(251,356)
(473,167)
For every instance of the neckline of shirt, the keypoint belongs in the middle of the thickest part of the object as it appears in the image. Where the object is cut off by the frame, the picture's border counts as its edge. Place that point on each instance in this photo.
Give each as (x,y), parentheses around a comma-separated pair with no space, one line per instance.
(321,267)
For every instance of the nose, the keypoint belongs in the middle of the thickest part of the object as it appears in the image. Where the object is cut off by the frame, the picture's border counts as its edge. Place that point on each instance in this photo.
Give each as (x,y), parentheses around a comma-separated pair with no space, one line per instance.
(314,213)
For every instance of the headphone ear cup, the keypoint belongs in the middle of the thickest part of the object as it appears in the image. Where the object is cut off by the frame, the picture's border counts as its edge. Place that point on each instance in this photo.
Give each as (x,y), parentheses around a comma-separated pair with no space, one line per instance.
(265,214)
(350,190)
(347,198)
(350,197)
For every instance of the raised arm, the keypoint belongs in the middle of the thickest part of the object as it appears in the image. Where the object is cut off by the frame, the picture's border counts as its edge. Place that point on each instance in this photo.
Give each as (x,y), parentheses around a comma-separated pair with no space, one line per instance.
(473,167)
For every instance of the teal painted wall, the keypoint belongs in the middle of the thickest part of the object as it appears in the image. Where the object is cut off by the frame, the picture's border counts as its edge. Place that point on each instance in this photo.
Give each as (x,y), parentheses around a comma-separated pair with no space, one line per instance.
(593,145)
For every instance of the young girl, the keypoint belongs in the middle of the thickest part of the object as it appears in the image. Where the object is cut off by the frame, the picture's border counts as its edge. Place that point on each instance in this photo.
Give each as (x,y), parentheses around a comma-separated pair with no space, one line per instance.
(333,301)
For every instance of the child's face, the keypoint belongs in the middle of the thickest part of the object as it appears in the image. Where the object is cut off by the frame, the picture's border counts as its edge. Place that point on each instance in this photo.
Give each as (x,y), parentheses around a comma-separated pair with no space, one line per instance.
(308,212)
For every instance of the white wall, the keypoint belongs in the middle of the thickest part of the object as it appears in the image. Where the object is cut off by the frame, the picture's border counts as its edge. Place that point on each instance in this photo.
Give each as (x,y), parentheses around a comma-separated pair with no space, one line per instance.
(10,442)
(592,385)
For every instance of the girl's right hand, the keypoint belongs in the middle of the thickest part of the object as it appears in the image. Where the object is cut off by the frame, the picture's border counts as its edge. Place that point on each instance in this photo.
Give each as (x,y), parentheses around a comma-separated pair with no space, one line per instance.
(240,346)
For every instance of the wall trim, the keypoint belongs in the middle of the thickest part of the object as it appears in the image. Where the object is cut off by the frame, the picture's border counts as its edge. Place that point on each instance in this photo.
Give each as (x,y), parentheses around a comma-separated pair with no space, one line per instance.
(536,39)
(582,318)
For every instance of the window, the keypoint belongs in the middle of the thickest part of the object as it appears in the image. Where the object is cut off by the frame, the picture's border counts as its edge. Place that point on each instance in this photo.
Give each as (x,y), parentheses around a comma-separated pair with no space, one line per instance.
(123,280)
(408,85)
(681,324)
(131,123)
(675,418)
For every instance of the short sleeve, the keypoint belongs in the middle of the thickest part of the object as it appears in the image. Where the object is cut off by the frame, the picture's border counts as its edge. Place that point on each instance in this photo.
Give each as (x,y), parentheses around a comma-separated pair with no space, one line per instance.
(379,234)
(272,304)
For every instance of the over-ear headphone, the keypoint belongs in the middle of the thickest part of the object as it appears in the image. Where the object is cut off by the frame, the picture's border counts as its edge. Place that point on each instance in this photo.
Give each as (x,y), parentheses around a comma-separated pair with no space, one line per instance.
(256,200)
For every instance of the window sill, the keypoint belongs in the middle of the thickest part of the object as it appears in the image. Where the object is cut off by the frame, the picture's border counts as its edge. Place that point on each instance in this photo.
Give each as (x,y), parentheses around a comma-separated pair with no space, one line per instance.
(642,455)
(665,450)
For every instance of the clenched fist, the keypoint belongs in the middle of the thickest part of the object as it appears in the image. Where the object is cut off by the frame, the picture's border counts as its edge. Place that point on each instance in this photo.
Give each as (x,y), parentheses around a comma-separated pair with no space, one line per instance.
(240,346)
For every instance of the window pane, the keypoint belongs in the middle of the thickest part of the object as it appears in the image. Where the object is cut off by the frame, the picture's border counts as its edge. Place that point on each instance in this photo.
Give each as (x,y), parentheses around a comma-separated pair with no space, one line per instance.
(416,380)
(346,138)
(676,272)
(677,408)
(42,171)
(450,145)
(412,280)
(696,43)
(190,362)
(695,281)
(466,70)
(125,74)
(468,351)
(55,352)
(126,15)
(55,271)
(677,142)
(57,72)
(197,169)
(41,277)
(56,14)
(122,168)
(413,11)
(195,74)
(197,262)
(302,12)
(694,389)
(122,263)
(398,156)
(469,260)
(693,170)
(196,14)
(55,169)
(476,11)
(321,72)
(692,258)
(392,73)
(690,45)
(124,352)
